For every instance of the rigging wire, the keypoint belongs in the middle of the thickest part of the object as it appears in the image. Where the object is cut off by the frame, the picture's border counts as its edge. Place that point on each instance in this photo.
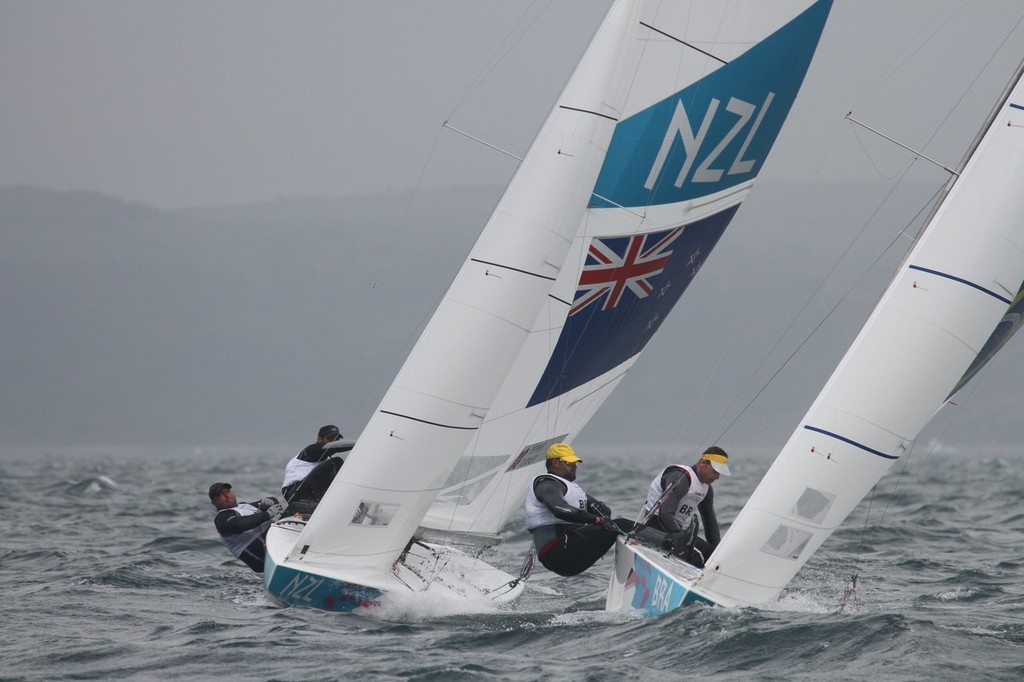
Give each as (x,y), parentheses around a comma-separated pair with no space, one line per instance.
(869,529)
(992,55)
(910,49)
(825,318)
(709,437)
(406,346)
(933,29)
(528,19)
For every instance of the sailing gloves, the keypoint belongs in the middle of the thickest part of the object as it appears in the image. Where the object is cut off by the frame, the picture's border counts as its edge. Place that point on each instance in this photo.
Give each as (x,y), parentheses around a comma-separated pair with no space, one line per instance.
(274,511)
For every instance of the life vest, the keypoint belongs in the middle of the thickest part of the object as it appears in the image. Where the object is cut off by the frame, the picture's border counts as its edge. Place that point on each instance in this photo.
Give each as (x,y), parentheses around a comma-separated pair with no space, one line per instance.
(687,507)
(302,464)
(538,514)
(237,543)
(296,470)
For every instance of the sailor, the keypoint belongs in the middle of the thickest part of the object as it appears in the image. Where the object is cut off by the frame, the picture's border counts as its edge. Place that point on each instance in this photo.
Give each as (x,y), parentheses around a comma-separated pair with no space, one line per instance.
(571,530)
(243,526)
(302,464)
(676,494)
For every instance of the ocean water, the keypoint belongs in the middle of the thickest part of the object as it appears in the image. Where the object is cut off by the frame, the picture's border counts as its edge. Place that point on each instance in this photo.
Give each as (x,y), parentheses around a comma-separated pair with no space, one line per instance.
(111,569)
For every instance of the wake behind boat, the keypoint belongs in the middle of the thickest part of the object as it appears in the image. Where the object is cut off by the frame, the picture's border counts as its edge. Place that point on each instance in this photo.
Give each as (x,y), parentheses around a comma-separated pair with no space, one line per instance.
(954,301)
(638,170)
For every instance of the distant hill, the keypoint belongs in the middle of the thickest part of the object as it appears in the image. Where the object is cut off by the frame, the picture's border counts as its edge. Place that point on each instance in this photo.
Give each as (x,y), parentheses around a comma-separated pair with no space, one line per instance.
(125,324)
(121,324)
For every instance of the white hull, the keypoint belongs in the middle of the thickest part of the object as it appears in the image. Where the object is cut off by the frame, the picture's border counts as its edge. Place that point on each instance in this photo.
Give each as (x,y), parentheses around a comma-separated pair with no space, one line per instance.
(426,571)
(651,580)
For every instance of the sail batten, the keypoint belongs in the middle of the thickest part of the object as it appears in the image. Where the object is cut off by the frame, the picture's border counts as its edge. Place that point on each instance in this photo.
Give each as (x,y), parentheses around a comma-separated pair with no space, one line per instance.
(850,441)
(961,280)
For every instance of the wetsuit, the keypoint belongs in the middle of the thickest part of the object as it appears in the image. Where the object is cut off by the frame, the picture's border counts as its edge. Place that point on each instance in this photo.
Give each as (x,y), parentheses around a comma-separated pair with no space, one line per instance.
(567,535)
(243,530)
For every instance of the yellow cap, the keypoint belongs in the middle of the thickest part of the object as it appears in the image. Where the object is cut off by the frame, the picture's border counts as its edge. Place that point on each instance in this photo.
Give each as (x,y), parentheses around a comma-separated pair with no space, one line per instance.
(719,462)
(564,452)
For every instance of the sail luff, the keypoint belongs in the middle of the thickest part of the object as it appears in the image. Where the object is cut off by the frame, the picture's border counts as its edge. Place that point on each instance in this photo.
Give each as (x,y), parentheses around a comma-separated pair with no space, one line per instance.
(929,326)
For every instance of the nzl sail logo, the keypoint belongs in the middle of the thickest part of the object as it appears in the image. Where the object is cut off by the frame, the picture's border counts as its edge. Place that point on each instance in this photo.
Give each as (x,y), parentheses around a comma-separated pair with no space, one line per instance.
(685,148)
(701,140)
(716,132)
(681,128)
(620,265)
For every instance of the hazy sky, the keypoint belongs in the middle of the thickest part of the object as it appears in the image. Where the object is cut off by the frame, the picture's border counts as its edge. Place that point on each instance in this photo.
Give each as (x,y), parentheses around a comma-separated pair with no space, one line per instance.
(189,103)
(184,104)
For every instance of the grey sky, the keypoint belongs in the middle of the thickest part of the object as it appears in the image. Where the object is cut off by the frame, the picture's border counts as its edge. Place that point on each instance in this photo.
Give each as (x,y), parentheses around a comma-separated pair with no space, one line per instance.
(192,103)
(201,103)
(186,104)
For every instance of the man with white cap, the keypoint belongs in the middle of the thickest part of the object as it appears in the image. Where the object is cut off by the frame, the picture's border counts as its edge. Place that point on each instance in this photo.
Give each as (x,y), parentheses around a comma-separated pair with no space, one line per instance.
(571,530)
(677,493)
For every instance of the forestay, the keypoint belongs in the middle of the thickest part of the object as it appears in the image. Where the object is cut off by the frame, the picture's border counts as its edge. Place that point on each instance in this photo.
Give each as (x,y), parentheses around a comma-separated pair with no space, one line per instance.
(710,85)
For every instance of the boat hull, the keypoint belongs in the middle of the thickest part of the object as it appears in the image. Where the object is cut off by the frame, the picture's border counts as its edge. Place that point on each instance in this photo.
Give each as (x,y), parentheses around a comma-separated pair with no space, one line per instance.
(427,572)
(651,580)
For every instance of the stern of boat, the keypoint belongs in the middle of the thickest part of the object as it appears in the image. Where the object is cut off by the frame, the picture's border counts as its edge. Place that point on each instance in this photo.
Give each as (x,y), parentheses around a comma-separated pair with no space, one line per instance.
(427,570)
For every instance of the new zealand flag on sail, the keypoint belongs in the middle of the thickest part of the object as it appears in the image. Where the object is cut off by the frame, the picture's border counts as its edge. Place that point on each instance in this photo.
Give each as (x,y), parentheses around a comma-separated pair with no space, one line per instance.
(701,142)
(627,288)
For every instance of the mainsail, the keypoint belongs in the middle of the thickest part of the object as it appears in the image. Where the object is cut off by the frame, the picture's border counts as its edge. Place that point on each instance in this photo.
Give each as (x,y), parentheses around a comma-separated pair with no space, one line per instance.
(954,301)
(710,87)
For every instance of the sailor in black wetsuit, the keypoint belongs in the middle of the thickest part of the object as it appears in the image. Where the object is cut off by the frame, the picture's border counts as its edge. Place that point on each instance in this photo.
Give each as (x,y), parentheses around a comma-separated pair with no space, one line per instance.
(571,530)
(302,464)
(243,526)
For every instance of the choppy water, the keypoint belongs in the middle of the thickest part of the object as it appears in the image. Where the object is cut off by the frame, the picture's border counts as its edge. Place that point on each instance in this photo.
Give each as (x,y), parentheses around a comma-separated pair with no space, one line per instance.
(111,569)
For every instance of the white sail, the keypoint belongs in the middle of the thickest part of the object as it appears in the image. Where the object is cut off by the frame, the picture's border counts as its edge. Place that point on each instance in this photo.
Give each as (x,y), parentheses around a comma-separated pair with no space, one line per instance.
(944,313)
(449,381)
(710,86)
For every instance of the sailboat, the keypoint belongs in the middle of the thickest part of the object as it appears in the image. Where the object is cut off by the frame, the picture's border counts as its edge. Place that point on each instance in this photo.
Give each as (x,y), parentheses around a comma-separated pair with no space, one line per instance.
(655,141)
(954,301)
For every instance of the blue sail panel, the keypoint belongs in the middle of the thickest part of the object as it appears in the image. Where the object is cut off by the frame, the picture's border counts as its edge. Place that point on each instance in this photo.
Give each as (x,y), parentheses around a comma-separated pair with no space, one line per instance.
(705,139)
(715,133)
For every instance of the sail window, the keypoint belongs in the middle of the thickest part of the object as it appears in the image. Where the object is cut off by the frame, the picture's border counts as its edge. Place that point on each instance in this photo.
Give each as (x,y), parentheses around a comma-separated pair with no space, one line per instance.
(535,452)
(787,542)
(374,514)
(470,477)
(468,493)
(813,505)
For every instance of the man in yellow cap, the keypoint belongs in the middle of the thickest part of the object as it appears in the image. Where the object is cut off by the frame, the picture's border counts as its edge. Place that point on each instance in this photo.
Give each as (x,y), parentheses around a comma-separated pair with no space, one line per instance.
(571,530)
(677,493)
